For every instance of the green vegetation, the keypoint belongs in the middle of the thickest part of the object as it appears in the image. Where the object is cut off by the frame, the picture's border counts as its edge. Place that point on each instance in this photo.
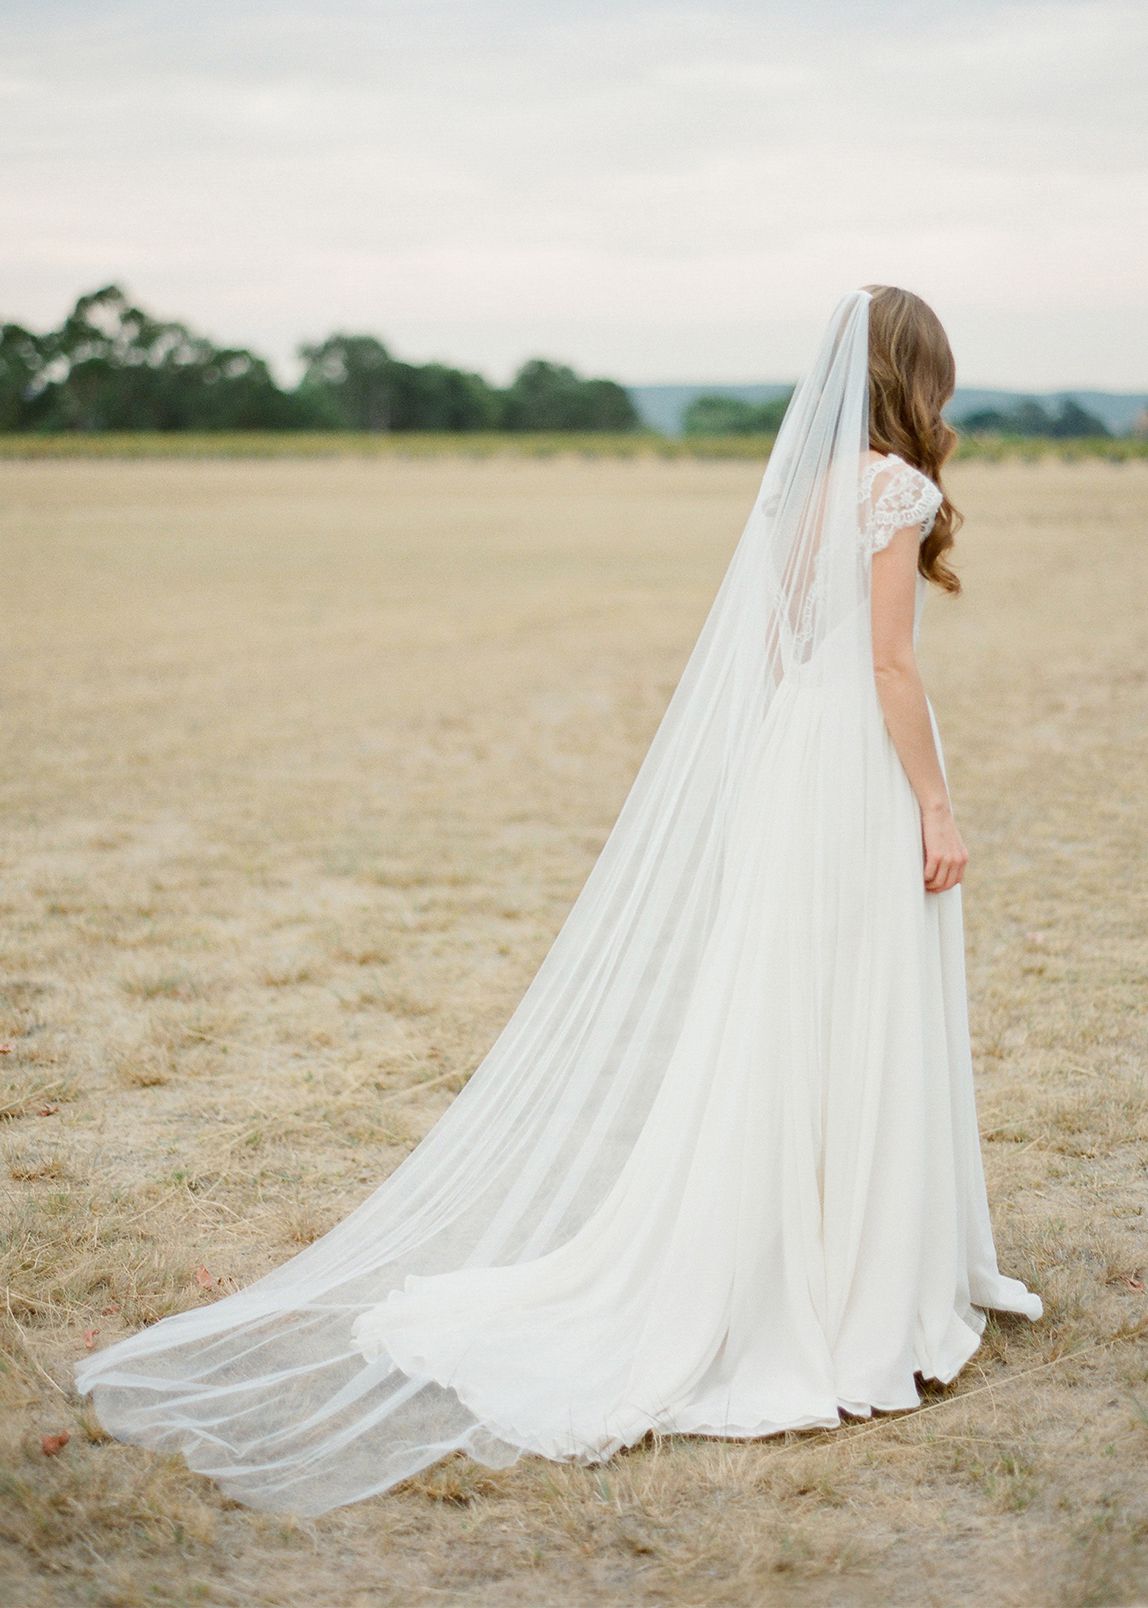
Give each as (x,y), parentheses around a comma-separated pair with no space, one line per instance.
(490,444)
(111,367)
(1030,418)
(717,415)
(113,381)
(351,382)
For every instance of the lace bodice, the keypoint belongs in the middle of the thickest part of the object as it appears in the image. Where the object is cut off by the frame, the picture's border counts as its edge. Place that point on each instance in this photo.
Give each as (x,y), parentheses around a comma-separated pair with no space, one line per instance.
(891,495)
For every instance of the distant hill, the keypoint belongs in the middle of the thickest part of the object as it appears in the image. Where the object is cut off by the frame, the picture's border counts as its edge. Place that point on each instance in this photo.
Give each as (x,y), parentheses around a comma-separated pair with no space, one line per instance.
(661,407)
(1117,409)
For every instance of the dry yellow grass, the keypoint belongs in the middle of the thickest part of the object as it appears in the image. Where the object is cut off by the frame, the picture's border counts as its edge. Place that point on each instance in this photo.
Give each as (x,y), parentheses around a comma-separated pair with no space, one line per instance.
(304,764)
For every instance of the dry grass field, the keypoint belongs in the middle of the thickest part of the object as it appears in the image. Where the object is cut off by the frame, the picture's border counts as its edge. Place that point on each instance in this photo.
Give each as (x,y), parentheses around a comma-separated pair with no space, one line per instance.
(304,763)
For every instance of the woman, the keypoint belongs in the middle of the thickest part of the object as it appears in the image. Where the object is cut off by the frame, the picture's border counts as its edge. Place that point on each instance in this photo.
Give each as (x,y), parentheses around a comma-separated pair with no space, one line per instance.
(720,1173)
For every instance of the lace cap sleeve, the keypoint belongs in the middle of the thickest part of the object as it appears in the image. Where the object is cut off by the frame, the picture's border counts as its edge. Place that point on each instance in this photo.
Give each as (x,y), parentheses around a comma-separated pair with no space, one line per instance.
(893,495)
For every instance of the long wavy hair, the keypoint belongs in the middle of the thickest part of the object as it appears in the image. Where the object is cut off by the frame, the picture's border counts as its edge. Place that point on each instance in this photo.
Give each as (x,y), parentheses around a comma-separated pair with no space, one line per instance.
(912,375)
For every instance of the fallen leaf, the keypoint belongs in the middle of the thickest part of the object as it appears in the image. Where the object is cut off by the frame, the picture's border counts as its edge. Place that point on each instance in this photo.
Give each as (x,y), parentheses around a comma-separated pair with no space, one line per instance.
(109,1311)
(203,1278)
(1134,1284)
(90,1337)
(5,1049)
(51,1444)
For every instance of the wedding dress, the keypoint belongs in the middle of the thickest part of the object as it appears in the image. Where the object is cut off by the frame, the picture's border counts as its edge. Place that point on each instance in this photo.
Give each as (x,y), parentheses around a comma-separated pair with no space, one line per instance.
(720,1174)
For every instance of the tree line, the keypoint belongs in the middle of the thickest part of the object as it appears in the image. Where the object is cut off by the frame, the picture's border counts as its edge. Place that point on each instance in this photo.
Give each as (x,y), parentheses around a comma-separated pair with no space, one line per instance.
(714,414)
(1029,417)
(111,366)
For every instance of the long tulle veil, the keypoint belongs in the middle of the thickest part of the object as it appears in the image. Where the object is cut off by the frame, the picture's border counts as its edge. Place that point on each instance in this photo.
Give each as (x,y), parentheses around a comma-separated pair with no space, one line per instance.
(266,1390)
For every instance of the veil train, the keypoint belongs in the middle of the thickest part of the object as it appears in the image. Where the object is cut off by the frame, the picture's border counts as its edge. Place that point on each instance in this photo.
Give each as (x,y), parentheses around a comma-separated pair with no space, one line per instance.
(556,1211)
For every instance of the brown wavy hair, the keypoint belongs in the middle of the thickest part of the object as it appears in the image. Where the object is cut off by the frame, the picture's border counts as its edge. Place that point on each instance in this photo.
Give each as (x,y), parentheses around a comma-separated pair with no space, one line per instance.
(912,375)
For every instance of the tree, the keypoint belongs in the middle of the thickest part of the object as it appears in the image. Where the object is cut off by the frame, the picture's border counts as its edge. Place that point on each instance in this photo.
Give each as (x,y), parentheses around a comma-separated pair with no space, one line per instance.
(551,396)
(22,360)
(111,366)
(350,382)
(1028,417)
(717,414)
(356,384)
(1075,421)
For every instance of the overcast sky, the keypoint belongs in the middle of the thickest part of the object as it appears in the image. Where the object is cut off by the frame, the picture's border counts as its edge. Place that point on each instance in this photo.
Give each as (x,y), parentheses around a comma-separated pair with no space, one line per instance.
(659,191)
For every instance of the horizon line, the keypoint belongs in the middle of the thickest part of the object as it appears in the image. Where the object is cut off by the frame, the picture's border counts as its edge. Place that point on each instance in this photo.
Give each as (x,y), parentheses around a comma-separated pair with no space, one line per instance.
(964,385)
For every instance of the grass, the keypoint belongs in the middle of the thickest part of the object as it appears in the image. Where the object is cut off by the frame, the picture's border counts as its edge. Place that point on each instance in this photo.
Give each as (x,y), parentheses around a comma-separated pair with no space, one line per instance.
(304,764)
(482,444)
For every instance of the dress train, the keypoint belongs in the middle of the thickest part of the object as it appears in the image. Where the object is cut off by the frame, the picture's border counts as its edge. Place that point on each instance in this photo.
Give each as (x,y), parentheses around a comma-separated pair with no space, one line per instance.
(802,1222)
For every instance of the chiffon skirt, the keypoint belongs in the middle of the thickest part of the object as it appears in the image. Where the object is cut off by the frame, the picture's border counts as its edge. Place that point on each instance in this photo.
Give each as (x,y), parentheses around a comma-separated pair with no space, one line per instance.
(801,1225)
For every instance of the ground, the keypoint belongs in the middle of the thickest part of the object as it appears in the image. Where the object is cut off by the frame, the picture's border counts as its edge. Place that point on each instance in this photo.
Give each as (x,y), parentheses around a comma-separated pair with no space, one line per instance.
(304,764)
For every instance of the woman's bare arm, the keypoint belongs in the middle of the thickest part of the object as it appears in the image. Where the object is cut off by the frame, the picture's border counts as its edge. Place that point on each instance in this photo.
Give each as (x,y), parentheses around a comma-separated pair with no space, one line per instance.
(902,695)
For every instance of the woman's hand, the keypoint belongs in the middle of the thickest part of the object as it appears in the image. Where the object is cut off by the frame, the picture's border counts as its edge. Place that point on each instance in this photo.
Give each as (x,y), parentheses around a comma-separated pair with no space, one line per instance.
(945,854)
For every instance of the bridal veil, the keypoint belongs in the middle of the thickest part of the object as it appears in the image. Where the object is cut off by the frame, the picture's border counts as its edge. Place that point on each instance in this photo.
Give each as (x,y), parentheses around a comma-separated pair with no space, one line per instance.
(273,1391)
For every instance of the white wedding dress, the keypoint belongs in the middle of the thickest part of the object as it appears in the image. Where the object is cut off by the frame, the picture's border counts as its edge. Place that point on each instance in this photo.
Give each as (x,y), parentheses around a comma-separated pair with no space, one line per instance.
(777,1249)
(720,1173)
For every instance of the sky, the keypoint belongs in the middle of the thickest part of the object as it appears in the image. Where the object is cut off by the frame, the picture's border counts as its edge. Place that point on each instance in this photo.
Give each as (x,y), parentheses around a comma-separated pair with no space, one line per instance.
(654,192)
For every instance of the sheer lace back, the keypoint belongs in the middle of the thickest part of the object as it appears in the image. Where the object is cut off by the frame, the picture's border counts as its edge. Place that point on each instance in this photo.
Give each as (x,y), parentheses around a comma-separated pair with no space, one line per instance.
(891,495)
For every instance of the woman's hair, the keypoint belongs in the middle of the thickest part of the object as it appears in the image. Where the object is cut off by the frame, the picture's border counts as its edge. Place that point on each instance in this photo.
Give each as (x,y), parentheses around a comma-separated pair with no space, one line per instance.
(911,376)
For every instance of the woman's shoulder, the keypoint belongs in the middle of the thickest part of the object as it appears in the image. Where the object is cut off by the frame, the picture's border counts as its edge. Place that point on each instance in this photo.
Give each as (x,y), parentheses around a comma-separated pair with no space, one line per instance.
(895,493)
(874,462)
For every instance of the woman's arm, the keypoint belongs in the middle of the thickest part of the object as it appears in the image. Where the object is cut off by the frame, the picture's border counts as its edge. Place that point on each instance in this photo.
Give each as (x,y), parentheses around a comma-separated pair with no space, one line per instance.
(902,695)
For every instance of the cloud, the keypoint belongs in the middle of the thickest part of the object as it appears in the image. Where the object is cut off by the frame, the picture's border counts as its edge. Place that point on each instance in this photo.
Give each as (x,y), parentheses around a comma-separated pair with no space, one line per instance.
(655,191)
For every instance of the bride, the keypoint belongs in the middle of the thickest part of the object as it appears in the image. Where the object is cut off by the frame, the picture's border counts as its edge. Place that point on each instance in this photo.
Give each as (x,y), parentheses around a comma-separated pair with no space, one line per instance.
(720,1172)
